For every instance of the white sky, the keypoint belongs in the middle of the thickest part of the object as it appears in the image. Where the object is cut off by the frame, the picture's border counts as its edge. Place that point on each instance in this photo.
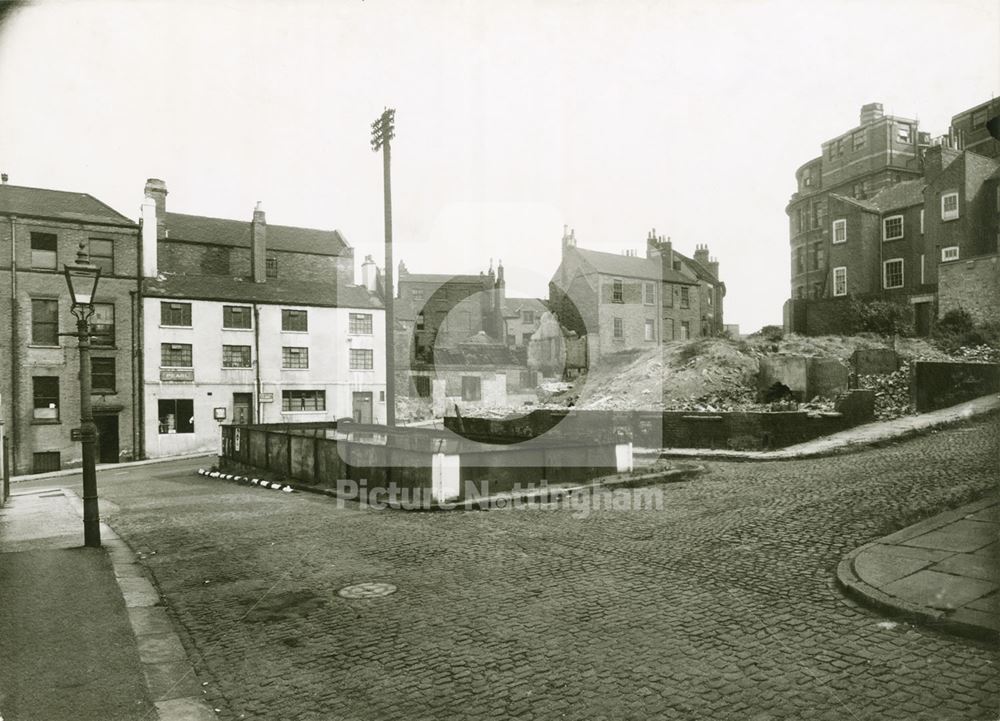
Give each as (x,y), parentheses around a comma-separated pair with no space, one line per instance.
(512,118)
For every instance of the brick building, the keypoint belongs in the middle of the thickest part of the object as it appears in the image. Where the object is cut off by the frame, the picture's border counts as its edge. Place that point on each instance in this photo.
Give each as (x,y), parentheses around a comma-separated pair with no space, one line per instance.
(881,226)
(969,127)
(623,302)
(254,322)
(41,230)
(460,339)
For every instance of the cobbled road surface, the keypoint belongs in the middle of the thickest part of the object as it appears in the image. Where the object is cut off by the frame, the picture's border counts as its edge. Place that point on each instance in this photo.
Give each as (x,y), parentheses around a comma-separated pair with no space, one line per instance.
(719,605)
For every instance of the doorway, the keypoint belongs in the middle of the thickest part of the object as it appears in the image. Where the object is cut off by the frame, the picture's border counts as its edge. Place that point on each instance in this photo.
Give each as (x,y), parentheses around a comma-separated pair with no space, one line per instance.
(107,438)
(242,408)
(922,319)
(362,409)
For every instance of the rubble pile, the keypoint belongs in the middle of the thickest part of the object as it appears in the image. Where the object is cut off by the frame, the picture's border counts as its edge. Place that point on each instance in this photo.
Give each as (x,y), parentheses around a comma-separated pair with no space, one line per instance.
(978,354)
(892,392)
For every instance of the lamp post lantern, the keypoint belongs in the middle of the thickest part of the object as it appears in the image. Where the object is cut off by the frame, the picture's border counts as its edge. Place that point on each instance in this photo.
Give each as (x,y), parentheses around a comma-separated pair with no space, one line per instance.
(383,130)
(82,277)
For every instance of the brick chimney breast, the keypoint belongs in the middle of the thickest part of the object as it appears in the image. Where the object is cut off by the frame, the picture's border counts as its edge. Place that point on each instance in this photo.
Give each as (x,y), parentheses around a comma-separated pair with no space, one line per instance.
(258,245)
(156,189)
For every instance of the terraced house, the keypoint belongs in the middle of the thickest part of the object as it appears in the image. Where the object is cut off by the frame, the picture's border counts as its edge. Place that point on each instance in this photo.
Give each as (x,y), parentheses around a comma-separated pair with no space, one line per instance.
(621,302)
(251,322)
(41,230)
(890,213)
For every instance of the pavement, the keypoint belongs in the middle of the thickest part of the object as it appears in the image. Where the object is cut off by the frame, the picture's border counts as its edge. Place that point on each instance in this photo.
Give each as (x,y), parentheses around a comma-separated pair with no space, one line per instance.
(857,437)
(943,571)
(83,633)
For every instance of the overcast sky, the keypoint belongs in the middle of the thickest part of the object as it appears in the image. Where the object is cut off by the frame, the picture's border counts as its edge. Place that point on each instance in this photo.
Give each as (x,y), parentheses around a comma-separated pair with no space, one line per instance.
(512,118)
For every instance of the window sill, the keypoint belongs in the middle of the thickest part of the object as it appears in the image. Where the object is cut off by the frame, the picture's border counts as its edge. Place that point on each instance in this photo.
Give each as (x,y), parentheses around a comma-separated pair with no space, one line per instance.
(293,369)
(238,330)
(364,335)
(237,368)
(39,345)
(298,413)
(96,392)
(45,422)
(297,332)
(188,327)
(362,370)
(889,240)
(176,433)
(948,220)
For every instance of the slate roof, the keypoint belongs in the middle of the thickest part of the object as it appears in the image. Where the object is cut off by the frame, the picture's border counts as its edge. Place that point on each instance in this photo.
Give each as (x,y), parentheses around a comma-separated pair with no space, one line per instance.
(864,204)
(223,231)
(513,306)
(275,292)
(900,195)
(440,278)
(59,205)
(630,266)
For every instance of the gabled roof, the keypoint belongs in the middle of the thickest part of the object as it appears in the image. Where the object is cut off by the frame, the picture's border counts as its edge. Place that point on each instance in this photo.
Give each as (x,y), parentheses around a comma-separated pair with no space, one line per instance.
(863,204)
(700,270)
(223,231)
(513,306)
(58,205)
(275,292)
(901,195)
(630,266)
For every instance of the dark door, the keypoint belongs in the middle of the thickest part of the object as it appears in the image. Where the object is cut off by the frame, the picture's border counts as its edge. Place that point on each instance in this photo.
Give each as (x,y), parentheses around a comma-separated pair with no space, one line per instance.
(922,318)
(363,407)
(107,438)
(242,408)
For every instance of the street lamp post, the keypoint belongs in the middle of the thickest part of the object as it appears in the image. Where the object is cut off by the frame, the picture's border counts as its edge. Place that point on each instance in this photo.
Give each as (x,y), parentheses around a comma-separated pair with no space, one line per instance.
(82,277)
(383,130)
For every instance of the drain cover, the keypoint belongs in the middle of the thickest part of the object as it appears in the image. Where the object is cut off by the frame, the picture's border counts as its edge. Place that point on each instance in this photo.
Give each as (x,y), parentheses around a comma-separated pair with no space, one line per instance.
(367,590)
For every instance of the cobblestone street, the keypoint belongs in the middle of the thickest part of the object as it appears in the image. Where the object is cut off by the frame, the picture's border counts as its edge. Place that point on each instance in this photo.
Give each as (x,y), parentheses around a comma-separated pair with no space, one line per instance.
(720,605)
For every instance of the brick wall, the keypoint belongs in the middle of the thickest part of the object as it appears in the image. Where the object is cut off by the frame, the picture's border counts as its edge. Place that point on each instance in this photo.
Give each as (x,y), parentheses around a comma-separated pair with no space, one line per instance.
(205,259)
(973,285)
(31,435)
(939,385)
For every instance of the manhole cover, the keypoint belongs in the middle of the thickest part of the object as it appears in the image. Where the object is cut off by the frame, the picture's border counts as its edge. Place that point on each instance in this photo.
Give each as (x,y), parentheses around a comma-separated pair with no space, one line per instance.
(367,590)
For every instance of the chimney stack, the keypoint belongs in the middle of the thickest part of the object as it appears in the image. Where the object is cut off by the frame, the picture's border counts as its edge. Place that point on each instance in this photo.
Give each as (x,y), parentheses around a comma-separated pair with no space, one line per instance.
(156,189)
(701,254)
(870,113)
(3,178)
(369,274)
(258,245)
(569,238)
(154,224)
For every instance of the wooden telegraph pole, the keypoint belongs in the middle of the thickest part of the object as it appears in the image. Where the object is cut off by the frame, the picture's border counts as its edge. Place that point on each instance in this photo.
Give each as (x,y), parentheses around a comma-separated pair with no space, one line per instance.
(382,132)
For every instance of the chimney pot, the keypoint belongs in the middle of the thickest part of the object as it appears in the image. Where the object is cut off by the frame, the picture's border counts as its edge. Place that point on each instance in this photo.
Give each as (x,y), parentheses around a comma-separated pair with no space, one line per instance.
(3,178)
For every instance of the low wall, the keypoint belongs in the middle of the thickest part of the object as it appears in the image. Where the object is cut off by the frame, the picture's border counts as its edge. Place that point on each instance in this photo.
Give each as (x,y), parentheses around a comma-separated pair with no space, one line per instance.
(675,429)
(939,385)
(321,454)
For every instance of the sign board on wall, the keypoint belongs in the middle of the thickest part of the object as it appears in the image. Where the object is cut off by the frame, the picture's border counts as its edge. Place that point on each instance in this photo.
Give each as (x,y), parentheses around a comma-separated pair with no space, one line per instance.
(266,397)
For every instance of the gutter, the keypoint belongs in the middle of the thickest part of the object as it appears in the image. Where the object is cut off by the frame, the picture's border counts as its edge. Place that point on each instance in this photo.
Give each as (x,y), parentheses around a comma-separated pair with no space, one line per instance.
(256,354)
(15,390)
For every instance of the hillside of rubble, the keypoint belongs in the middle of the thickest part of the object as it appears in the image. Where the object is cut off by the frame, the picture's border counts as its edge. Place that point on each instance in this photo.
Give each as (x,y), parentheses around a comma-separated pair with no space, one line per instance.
(718,374)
